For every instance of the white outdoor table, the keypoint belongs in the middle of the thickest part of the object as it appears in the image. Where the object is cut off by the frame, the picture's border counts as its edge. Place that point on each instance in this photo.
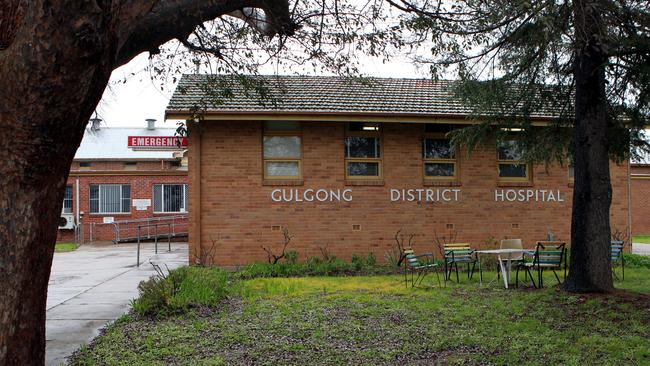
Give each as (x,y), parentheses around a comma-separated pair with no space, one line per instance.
(501,255)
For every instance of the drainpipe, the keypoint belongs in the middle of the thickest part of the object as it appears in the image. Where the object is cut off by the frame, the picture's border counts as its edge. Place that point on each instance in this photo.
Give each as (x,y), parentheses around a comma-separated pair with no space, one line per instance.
(76,211)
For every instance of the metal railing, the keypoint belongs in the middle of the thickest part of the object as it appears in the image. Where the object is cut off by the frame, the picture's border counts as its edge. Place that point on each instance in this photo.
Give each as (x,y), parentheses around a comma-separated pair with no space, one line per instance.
(141,229)
(169,237)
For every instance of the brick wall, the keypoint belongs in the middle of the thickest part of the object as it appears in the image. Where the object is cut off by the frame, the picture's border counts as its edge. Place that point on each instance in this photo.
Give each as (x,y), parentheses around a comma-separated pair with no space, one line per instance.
(231,207)
(141,188)
(640,192)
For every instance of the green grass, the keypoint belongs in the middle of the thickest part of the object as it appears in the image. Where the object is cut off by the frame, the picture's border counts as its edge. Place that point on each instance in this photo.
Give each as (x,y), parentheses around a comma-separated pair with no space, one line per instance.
(645,239)
(65,247)
(376,320)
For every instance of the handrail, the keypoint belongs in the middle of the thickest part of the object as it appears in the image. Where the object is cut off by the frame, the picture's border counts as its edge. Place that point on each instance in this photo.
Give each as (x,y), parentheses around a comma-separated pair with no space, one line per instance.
(169,238)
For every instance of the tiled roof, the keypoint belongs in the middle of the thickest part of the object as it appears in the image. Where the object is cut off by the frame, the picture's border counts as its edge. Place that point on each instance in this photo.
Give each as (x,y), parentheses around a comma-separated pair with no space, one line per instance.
(111,143)
(321,94)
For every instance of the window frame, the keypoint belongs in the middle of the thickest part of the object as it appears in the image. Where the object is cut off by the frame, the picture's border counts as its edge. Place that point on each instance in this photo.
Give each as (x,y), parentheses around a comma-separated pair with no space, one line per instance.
(99,199)
(425,160)
(377,134)
(265,160)
(526,179)
(162,191)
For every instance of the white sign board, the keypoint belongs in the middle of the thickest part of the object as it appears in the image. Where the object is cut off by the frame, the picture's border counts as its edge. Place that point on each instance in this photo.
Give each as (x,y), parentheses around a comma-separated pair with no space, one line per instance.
(141,204)
(109,219)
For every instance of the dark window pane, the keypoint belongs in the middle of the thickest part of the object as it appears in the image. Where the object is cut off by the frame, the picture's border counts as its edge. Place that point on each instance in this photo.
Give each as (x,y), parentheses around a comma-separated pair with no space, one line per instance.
(157,198)
(126,191)
(362,147)
(439,170)
(512,170)
(363,169)
(94,192)
(67,200)
(510,150)
(173,197)
(437,149)
(437,128)
(362,126)
(281,126)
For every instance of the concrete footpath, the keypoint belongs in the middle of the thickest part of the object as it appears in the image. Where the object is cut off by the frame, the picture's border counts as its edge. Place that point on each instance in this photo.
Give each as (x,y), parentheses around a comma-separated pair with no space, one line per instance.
(94,285)
(642,249)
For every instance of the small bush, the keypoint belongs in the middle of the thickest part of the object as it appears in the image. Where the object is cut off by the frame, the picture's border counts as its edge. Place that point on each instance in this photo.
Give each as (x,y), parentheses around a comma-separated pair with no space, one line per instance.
(291,257)
(635,260)
(181,289)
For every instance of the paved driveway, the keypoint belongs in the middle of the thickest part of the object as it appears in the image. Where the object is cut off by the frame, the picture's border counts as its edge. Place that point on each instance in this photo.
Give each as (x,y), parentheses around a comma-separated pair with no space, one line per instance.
(94,285)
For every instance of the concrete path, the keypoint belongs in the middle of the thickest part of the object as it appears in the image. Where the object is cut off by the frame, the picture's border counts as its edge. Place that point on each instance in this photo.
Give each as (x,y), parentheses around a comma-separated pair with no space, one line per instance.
(642,249)
(94,285)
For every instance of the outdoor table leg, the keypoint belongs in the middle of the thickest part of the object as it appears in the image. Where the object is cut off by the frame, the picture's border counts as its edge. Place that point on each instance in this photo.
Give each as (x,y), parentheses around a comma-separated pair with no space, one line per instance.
(509,267)
(480,271)
(503,271)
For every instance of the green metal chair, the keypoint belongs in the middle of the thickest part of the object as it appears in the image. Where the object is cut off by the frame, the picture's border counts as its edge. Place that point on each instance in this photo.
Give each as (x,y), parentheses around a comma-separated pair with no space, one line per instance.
(617,256)
(414,265)
(548,255)
(459,253)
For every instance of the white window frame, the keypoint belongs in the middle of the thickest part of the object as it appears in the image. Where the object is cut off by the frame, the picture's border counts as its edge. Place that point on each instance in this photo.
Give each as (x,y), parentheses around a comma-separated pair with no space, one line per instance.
(162,198)
(99,199)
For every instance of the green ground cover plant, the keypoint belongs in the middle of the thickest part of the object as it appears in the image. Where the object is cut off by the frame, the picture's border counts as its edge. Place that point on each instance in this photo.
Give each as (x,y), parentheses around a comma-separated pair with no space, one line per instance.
(218,318)
(65,247)
(644,239)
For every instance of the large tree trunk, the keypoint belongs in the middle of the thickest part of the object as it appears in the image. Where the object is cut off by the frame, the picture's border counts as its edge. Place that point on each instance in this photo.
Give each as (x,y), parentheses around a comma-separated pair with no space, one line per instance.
(55,61)
(50,83)
(589,270)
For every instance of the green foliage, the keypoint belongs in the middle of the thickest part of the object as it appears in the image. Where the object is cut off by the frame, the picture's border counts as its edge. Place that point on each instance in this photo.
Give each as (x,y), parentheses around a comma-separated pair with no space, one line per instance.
(180,290)
(65,247)
(316,266)
(291,257)
(635,260)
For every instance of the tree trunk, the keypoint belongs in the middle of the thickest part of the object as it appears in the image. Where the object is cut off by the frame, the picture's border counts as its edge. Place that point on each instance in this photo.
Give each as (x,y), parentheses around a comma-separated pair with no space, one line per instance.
(51,78)
(589,269)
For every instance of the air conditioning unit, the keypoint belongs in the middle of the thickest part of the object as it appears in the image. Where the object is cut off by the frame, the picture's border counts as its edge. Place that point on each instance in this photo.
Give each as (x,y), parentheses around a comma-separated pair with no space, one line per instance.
(66,221)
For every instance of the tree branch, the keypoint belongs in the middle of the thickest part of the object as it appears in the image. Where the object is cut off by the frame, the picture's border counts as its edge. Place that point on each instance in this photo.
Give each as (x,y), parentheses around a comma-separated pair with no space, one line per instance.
(170,19)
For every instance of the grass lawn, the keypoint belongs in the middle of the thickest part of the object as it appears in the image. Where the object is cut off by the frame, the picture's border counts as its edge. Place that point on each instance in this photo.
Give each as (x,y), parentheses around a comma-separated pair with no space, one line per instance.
(65,247)
(375,320)
(645,239)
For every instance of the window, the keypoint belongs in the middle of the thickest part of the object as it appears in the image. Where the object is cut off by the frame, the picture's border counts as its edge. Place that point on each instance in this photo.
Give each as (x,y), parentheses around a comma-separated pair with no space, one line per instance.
(511,165)
(67,200)
(282,150)
(363,151)
(439,159)
(571,173)
(110,198)
(130,165)
(84,165)
(169,198)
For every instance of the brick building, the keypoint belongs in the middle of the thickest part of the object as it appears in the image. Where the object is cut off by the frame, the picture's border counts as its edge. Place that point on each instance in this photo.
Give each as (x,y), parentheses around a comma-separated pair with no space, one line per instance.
(345,165)
(121,174)
(640,193)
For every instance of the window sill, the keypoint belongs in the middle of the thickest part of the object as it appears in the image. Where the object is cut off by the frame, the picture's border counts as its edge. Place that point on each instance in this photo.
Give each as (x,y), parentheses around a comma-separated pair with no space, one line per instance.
(441,183)
(110,214)
(364,182)
(283,182)
(514,184)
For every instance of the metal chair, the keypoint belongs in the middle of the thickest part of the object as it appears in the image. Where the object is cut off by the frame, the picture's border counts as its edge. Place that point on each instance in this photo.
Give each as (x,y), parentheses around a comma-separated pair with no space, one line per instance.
(459,253)
(617,256)
(548,255)
(413,265)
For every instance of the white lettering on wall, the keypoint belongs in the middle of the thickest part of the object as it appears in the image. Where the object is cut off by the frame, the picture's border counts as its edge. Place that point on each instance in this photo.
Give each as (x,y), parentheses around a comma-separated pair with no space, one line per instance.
(528,195)
(311,195)
(427,195)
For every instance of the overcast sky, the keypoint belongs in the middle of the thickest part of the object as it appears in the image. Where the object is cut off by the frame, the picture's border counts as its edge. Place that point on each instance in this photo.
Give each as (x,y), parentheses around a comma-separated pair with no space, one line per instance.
(129,104)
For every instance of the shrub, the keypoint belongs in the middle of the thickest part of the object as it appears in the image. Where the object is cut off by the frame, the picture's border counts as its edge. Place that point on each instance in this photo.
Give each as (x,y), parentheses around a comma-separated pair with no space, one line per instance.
(635,260)
(181,289)
(291,257)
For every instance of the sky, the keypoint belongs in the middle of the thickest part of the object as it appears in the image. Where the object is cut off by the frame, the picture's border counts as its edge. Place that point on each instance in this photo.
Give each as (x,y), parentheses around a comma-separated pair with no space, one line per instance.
(128,104)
